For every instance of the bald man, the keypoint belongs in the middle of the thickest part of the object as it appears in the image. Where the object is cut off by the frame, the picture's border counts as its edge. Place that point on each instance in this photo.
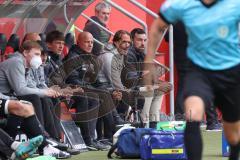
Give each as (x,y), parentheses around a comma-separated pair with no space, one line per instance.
(81,68)
(85,42)
(82,52)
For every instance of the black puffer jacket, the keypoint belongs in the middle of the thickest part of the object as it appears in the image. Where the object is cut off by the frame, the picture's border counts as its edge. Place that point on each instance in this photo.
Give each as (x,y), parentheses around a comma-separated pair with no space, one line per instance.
(53,70)
(98,34)
(132,73)
(80,67)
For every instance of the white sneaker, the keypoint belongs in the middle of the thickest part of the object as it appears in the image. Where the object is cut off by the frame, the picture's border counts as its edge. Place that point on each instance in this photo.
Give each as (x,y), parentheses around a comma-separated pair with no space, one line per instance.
(54,152)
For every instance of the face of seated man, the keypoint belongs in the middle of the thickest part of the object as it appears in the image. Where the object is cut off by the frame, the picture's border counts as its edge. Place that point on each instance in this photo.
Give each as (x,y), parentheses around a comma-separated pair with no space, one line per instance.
(123,44)
(30,54)
(85,42)
(56,46)
(140,42)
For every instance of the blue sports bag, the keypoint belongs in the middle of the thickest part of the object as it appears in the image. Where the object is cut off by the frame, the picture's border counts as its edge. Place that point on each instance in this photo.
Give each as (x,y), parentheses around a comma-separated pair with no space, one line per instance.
(128,142)
(163,145)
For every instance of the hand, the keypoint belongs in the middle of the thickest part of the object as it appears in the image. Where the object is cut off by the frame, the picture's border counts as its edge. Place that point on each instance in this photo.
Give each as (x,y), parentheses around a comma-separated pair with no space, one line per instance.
(70,91)
(67,92)
(164,86)
(117,95)
(77,90)
(56,88)
(52,93)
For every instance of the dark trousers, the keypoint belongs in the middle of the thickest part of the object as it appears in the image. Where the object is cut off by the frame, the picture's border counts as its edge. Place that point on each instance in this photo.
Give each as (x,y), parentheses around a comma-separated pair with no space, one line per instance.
(87,107)
(56,110)
(105,124)
(5,144)
(105,127)
(52,124)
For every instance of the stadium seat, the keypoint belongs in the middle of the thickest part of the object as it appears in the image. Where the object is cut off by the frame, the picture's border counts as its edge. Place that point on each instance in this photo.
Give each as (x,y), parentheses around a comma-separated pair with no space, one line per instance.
(69,41)
(3,43)
(12,45)
(43,37)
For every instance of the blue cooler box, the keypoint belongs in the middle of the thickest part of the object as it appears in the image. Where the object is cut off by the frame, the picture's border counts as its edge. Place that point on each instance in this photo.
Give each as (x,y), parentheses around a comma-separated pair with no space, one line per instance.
(225,146)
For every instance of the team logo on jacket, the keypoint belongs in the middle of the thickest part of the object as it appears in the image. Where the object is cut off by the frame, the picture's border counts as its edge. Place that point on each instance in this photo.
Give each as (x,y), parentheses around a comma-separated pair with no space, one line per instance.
(166,5)
(223,31)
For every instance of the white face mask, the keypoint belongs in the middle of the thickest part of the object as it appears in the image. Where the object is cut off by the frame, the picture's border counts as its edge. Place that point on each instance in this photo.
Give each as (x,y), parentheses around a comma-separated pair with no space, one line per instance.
(36,62)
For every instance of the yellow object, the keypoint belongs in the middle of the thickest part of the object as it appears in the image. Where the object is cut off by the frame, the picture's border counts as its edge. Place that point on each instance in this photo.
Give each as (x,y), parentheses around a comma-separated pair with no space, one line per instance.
(168,151)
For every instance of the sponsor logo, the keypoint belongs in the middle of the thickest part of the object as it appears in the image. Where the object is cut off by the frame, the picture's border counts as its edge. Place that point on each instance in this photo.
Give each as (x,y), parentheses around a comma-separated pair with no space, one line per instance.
(223,31)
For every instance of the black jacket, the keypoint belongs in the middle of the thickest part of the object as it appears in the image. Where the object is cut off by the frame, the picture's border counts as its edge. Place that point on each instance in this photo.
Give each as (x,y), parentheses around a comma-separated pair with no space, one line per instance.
(98,34)
(54,70)
(132,73)
(80,67)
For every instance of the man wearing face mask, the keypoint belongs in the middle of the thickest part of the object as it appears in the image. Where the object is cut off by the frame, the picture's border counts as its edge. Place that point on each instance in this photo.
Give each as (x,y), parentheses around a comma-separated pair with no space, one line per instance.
(102,14)
(13,83)
(35,78)
(12,72)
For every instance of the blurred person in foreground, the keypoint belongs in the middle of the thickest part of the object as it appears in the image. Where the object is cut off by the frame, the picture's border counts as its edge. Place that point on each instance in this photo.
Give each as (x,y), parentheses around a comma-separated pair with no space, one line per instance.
(213,50)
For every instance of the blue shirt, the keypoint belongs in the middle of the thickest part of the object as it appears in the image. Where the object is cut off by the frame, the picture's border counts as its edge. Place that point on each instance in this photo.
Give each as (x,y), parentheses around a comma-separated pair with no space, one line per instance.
(213,41)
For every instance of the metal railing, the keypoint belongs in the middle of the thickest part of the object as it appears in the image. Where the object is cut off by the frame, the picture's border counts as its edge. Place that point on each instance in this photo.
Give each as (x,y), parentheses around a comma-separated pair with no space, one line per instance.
(99,25)
(128,14)
(171,55)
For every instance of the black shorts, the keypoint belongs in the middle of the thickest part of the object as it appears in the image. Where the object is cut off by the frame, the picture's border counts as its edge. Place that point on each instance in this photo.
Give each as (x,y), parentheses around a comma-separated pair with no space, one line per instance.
(2,108)
(216,88)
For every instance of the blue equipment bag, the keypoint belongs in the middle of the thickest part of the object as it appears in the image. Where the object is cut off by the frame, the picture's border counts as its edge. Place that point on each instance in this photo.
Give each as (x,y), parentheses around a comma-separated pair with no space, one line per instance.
(128,142)
(225,146)
(163,145)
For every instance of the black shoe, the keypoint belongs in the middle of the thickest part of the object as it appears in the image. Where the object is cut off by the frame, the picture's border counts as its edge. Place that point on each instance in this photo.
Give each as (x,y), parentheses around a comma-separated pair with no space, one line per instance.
(58,145)
(107,142)
(73,151)
(119,121)
(95,146)
(214,127)
(153,125)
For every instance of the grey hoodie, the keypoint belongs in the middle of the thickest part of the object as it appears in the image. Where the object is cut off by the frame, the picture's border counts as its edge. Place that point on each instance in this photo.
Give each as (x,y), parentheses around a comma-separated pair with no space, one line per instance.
(12,77)
(112,64)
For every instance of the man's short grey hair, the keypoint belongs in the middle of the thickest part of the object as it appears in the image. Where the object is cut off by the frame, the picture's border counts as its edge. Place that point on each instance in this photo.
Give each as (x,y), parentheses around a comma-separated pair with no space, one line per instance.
(101,6)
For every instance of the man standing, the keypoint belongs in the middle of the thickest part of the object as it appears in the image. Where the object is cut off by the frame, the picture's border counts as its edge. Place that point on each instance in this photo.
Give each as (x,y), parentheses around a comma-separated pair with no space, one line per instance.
(213,49)
(102,13)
